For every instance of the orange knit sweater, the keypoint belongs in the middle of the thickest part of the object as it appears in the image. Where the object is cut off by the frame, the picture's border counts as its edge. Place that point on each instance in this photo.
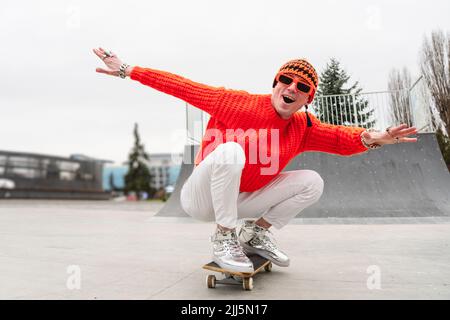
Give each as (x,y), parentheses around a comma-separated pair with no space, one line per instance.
(255,115)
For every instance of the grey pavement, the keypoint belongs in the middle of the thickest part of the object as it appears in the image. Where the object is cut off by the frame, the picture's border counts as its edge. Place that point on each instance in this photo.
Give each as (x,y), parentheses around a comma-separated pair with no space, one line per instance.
(123,251)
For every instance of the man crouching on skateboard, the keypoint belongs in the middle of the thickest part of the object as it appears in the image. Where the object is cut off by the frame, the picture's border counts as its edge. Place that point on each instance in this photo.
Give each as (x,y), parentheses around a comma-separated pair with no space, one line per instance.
(232,179)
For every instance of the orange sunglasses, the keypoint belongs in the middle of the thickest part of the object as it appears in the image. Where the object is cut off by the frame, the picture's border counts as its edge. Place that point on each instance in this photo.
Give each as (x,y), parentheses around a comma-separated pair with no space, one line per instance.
(287,80)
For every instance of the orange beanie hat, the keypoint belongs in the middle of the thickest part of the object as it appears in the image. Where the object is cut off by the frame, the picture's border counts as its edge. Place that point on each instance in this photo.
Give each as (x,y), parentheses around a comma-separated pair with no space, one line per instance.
(303,69)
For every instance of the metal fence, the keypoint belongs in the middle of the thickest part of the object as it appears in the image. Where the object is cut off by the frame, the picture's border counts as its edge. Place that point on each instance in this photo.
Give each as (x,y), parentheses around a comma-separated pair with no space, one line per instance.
(422,106)
(196,122)
(377,110)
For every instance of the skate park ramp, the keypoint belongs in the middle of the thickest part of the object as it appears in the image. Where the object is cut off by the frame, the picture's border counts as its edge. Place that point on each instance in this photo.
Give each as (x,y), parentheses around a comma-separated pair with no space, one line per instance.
(172,208)
(407,180)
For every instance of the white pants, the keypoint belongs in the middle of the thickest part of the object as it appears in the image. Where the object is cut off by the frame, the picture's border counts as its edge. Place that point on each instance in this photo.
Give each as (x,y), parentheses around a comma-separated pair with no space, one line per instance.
(211,193)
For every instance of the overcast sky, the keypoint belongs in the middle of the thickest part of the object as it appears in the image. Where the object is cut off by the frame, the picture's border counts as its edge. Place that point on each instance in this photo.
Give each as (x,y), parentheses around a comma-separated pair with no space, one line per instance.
(52,101)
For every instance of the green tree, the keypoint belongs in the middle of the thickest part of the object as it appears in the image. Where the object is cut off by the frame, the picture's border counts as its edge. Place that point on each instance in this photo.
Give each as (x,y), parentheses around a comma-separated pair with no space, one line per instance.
(337,103)
(138,177)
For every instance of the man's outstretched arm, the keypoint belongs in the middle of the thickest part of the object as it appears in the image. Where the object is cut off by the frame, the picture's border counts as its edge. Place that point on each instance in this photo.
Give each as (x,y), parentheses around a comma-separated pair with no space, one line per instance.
(199,95)
(344,140)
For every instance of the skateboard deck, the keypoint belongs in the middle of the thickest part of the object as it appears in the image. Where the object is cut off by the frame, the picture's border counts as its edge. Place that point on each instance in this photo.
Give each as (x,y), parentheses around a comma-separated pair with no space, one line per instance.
(237,278)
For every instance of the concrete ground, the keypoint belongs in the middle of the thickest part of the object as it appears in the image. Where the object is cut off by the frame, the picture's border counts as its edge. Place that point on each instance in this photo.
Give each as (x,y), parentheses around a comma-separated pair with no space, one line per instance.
(118,250)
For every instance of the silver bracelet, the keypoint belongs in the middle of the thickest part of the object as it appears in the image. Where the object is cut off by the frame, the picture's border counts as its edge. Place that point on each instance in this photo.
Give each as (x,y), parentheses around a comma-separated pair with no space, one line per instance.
(369,146)
(122,70)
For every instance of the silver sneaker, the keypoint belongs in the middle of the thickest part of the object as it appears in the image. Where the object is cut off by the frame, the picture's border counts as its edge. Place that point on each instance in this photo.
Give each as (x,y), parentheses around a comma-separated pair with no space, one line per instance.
(254,239)
(228,253)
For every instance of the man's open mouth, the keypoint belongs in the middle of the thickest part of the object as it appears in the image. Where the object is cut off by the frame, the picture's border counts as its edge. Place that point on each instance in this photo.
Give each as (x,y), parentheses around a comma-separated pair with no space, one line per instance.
(288,99)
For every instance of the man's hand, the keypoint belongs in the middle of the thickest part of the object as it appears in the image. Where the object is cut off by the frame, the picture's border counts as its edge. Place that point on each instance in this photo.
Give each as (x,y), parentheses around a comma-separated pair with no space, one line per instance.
(112,62)
(394,135)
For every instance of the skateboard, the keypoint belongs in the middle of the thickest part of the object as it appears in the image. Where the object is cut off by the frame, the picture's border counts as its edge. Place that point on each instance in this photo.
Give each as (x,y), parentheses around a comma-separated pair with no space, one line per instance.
(237,278)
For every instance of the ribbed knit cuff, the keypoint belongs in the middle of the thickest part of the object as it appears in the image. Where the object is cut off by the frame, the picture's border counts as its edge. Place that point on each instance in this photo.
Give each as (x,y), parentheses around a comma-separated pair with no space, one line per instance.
(136,73)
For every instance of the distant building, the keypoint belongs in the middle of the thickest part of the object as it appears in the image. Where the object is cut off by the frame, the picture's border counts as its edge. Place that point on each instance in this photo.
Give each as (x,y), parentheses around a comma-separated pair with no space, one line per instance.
(114,177)
(161,165)
(163,168)
(30,175)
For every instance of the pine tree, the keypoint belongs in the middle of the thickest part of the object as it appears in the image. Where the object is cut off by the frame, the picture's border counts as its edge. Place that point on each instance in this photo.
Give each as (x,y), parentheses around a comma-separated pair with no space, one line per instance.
(138,177)
(337,104)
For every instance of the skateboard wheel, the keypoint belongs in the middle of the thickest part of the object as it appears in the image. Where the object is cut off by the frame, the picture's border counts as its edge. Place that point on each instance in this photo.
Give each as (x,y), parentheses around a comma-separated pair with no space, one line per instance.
(268,267)
(211,281)
(247,283)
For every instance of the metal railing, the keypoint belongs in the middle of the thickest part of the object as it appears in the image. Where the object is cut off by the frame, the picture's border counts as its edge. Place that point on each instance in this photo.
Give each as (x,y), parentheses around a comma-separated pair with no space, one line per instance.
(196,123)
(422,106)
